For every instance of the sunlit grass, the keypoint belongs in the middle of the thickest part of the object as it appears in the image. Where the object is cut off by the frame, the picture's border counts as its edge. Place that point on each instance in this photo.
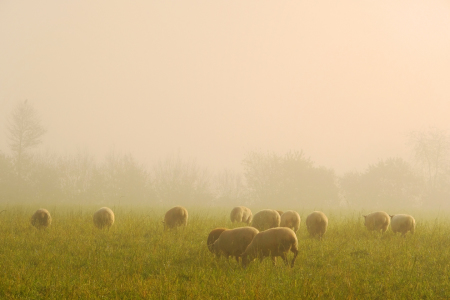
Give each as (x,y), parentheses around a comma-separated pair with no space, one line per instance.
(137,259)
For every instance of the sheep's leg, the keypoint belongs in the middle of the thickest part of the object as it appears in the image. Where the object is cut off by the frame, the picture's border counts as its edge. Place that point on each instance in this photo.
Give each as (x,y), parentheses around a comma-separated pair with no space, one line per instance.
(285,259)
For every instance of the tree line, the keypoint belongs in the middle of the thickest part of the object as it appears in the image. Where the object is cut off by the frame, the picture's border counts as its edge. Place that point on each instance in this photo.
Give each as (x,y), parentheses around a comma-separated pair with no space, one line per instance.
(284,180)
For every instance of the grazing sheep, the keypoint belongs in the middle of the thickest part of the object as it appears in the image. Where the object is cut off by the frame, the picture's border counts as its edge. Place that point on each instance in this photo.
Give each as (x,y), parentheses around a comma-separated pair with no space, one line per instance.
(280,212)
(41,219)
(104,217)
(233,242)
(213,236)
(265,219)
(241,214)
(403,223)
(175,217)
(290,219)
(272,242)
(317,223)
(377,221)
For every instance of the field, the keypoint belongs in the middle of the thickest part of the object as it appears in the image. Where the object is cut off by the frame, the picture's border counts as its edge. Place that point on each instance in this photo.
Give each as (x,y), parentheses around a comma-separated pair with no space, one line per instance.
(135,259)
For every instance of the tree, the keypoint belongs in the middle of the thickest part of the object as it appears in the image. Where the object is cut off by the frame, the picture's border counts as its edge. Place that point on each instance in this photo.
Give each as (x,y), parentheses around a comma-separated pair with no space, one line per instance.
(42,179)
(390,182)
(230,188)
(24,131)
(6,175)
(431,151)
(180,182)
(76,176)
(289,180)
(120,179)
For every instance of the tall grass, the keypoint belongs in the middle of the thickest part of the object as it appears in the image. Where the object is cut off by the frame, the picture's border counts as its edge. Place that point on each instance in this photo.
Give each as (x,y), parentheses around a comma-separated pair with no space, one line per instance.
(136,259)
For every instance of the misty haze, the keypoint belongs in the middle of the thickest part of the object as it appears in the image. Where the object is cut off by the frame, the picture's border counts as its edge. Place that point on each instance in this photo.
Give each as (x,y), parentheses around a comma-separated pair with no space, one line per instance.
(141,143)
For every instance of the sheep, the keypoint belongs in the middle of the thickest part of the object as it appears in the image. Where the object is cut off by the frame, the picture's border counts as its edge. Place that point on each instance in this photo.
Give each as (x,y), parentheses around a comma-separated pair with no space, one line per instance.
(265,219)
(103,218)
(41,219)
(233,242)
(213,236)
(377,221)
(317,223)
(241,214)
(290,219)
(403,223)
(272,242)
(175,217)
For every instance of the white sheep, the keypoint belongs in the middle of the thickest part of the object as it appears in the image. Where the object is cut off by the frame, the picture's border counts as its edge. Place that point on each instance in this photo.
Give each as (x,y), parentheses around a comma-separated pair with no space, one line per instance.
(103,218)
(290,219)
(265,219)
(241,214)
(403,223)
(317,223)
(41,219)
(272,242)
(233,242)
(377,221)
(175,217)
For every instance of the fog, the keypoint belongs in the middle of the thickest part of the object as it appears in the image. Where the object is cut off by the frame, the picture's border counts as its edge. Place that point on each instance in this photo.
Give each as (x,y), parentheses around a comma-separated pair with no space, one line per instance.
(344,81)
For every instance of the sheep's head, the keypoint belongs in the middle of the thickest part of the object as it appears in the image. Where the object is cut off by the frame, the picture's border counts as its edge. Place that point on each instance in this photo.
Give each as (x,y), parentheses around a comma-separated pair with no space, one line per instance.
(246,259)
(213,248)
(365,220)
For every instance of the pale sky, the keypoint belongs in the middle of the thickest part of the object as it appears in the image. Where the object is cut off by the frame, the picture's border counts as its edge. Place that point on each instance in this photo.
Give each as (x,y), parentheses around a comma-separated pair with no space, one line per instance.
(345,81)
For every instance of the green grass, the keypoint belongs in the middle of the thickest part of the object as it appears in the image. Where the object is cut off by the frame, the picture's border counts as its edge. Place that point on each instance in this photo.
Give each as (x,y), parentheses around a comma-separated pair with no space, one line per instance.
(135,259)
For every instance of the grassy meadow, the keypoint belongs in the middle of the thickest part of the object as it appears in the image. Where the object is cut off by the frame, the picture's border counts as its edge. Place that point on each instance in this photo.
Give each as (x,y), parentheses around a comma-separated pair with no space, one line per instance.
(136,259)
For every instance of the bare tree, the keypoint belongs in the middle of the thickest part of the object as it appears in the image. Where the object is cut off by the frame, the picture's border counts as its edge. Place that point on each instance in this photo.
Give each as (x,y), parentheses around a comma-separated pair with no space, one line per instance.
(230,188)
(24,131)
(290,179)
(431,150)
(178,181)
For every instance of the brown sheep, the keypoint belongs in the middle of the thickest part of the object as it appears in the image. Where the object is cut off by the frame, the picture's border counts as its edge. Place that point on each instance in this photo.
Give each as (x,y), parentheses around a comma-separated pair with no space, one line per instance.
(317,223)
(41,219)
(290,219)
(103,218)
(265,219)
(213,236)
(233,242)
(241,214)
(377,221)
(272,242)
(403,223)
(175,217)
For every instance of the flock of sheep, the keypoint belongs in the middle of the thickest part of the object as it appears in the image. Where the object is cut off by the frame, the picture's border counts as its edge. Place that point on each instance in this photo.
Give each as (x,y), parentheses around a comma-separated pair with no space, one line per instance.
(272,233)
(103,218)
